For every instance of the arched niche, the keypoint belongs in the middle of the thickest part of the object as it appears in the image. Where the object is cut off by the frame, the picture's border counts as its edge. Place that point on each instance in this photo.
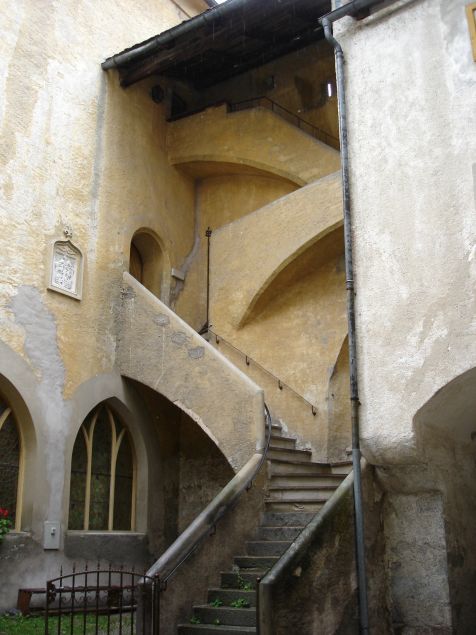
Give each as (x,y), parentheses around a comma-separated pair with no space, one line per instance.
(17,453)
(148,263)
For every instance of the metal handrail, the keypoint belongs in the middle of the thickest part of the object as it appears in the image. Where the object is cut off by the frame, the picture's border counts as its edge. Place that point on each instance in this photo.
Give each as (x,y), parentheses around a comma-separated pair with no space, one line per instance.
(249,360)
(306,126)
(266,102)
(291,558)
(204,524)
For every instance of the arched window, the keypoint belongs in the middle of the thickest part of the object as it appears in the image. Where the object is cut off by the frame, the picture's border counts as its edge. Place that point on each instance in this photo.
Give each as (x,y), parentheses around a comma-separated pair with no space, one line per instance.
(146,261)
(10,463)
(102,494)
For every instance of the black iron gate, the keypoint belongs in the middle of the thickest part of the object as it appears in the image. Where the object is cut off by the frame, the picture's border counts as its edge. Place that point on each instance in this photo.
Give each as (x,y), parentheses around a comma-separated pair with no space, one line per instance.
(98,601)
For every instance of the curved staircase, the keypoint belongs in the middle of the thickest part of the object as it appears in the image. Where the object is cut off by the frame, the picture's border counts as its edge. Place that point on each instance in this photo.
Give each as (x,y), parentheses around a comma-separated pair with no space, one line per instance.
(297,489)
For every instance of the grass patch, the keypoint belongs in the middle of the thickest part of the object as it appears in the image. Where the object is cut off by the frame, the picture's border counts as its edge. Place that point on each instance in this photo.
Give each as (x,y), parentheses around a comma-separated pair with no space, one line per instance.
(36,625)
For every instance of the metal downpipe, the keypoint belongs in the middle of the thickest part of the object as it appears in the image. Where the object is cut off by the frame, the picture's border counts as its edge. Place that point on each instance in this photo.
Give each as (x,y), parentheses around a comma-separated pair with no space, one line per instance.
(349,273)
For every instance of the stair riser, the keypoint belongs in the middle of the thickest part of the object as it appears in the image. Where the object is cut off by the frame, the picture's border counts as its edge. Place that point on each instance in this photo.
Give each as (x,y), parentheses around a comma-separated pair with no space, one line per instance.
(293,519)
(282,506)
(227,616)
(299,495)
(266,548)
(296,480)
(233,580)
(229,595)
(278,533)
(298,456)
(282,467)
(190,629)
(255,562)
(341,469)
(282,442)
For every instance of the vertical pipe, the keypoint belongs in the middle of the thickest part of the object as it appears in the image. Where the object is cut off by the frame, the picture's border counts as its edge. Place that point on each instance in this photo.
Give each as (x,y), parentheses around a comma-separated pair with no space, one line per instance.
(349,274)
(208,234)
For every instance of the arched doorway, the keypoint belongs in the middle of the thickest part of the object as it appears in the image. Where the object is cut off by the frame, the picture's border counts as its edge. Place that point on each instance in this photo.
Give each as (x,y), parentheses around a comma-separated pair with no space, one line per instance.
(146,262)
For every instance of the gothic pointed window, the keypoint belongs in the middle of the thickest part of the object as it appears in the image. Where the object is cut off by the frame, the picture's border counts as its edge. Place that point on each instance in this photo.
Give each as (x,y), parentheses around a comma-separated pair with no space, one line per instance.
(10,463)
(102,491)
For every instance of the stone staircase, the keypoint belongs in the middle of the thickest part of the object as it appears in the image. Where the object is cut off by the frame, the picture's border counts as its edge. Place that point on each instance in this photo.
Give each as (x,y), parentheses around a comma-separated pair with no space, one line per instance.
(297,489)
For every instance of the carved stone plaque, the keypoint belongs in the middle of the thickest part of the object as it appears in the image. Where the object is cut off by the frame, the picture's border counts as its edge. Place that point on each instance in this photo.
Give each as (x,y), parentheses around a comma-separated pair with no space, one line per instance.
(66,269)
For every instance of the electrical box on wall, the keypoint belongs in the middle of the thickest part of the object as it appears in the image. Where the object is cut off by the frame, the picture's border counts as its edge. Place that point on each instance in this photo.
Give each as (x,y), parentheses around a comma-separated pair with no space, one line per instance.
(51,535)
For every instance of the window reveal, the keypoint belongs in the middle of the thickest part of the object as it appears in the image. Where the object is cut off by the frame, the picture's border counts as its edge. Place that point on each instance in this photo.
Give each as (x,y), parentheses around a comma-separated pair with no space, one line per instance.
(10,463)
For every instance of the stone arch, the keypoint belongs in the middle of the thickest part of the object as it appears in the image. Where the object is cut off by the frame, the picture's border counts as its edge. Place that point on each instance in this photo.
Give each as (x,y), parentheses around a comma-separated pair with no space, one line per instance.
(333,234)
(149,263)
(17,387)
(452,408)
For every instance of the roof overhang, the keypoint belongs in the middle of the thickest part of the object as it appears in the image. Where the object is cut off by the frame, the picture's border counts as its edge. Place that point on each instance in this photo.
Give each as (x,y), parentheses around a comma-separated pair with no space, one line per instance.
(224,41)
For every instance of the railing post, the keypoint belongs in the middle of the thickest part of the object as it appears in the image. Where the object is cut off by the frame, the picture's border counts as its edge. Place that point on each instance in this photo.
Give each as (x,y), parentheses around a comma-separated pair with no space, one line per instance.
(145,608)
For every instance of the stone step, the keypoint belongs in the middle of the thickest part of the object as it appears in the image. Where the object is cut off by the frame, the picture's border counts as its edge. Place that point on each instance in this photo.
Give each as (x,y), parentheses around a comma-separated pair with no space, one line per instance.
(305,480)
(267,547)
(236,579)
(344,467)
(294,506)
(296,518)
(255,562)
(297,456)
(226,615)
(229,595)
(281,466)
(278,533)
(282,442)
(300,494)
(209,629)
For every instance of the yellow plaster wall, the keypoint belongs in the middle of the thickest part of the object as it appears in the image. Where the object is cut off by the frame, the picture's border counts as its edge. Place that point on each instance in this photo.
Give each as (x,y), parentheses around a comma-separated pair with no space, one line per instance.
(77,150)
(222,199)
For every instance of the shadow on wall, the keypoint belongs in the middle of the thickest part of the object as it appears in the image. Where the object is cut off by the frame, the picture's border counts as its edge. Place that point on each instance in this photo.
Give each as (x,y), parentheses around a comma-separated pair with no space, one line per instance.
(446,429)
(339,436)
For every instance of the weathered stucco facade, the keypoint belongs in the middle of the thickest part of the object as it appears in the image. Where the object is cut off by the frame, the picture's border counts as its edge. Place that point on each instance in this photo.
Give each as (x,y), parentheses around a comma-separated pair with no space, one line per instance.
(183,336)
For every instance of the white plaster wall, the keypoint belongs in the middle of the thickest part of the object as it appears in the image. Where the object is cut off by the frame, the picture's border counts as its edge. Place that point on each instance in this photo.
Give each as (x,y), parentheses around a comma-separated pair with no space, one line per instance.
(411,83)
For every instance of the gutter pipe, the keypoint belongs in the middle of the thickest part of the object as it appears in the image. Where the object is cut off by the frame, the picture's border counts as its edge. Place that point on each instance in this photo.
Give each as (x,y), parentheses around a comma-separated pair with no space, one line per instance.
(136,53)
(353,9)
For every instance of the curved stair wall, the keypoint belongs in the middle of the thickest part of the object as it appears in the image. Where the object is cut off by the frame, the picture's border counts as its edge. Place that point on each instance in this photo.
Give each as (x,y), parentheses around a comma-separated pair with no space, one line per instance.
(157,348)
(257,138)
(250,252)
(276,293)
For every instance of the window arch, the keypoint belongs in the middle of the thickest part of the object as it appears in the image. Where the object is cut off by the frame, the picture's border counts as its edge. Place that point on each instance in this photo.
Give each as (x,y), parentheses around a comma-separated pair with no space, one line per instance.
(11,463)
(103,474)
(146,262)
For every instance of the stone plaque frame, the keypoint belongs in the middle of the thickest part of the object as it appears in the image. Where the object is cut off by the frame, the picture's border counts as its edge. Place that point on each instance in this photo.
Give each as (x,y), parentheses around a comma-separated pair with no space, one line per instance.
(65,271)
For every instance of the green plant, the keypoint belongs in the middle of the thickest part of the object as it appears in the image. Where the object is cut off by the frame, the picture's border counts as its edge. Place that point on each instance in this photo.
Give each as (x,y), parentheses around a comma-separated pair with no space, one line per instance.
(195,620)
(240,603)
(244,586)
(5,523)
(217,622)
(216,603)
